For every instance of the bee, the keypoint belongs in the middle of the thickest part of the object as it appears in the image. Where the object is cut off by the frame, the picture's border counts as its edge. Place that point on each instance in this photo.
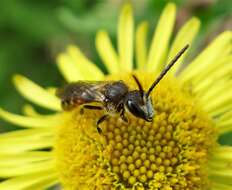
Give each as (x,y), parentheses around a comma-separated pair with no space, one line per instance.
(113,96)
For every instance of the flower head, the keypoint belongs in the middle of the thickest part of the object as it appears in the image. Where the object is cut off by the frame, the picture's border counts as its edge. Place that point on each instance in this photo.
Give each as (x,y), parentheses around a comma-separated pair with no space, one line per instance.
(178,150)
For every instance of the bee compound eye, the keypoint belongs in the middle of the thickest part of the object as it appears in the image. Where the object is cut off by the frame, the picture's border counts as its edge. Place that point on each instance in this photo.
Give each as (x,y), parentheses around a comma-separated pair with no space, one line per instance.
(135,109)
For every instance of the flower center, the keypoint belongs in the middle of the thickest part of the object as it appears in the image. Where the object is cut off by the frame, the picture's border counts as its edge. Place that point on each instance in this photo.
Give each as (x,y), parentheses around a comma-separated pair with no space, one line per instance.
(169,153)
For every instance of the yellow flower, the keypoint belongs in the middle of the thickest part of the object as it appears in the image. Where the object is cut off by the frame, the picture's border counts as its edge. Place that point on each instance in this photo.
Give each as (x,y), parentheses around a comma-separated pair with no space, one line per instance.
(178,150)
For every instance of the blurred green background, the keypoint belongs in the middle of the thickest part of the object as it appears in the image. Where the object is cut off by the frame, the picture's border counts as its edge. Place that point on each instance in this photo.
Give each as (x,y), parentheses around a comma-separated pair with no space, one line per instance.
(32,33)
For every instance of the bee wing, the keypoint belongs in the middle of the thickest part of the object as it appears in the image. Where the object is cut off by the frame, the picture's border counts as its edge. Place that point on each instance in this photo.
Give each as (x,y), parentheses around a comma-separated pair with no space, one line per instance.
(75,94)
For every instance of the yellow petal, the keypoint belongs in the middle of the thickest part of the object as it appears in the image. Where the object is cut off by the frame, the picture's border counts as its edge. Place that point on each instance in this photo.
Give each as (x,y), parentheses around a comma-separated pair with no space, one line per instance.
(218,89)
(52,90)
(141,46)
(22,182)
(226,116)
(185,36)
(107,52)
(88,70)
(217,65)
(16,159)
(126,38)
(29,110)
(161,38)
(25,121)
(35,93)
(214,77)
(44,184)
(222,153)
(224,98)
(223,176)
(219,186)
(26,134)
(26,140)
(28,168)
(220,47)
(22,145)
(224,126)
(68,68)
(220,110)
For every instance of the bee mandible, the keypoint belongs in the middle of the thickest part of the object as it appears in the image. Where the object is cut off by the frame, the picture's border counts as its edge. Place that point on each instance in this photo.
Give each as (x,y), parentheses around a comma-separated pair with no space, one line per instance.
(113,96)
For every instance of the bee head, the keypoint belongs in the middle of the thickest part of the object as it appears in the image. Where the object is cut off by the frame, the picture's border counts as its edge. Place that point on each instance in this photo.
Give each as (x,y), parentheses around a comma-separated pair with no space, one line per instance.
(140,105)
(139,102)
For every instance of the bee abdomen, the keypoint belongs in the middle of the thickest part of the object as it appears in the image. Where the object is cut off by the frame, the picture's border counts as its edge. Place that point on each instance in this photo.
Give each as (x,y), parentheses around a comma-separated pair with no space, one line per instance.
(68,104)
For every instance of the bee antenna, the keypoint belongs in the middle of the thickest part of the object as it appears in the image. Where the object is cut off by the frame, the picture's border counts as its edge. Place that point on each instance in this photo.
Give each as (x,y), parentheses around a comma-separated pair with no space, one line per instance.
(166,69)
(139,85)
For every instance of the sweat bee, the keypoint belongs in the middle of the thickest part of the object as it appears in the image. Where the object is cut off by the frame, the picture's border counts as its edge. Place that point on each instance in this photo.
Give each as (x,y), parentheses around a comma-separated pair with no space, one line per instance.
(113,96)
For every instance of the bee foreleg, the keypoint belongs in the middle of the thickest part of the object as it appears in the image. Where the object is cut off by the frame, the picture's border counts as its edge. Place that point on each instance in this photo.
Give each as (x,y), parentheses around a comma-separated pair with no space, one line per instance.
(122,115)
(103,118)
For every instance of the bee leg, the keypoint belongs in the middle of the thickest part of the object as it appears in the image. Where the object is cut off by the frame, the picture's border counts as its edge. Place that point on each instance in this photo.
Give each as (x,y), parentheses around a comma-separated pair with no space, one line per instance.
(103,118)
(81,110)
(90,107)
(122,115)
